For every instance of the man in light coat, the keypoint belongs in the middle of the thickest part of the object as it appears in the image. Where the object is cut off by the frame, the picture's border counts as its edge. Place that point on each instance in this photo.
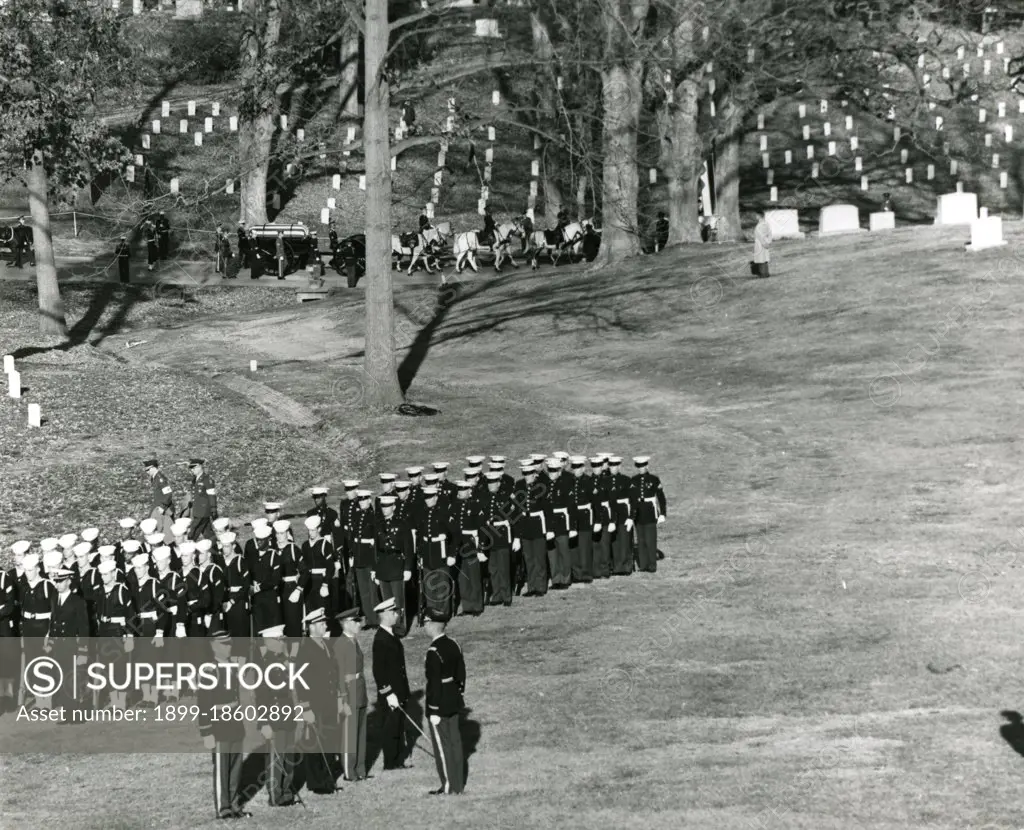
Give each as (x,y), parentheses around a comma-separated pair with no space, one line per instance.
(762,241)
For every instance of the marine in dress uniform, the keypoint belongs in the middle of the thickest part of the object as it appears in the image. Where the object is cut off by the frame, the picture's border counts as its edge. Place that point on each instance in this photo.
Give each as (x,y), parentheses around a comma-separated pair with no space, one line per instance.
(352,698)
(204,501)
(582,500)
(561,520)
(347,590)
(393,557)
(464,519)
(291,591)
(622,512)
(392,682)
(446,684)
(163,230)
(319,569)
(320,705)
(435,548)
(330,519)
(123,252)
(496,516)
(222,734)
(447,492)
(648,505)
(604,522)
(264,566)
(279,734)
(530,529)
(69,634)
(362,542)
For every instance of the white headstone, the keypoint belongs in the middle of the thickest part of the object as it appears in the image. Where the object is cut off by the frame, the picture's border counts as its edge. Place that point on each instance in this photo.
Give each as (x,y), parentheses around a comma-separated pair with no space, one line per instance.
(1004,180)
(938,122)
(145,141)
(429,210)
(300,134)
(350,136)
(807,132)
(174,185)
(165,109)
(437,178)
(882,221)
(215,109)
(986,233)
(760,120)
(1006,64)
(931,172)
(959,187)
(8,363)
(229,186)
(276,201)
(995,161)
(535,168)
(533,187)
(999,48)
(810,151)
(827,129)
(920,61)
(831,148)
(233,123)
(284,123)
(764,143)
(449,123)
(981,50)
(253,365)
(435,195)
(803,110)
(129,173)
(495,97)
(156,128)
(336,181)
(981,116)
(956,208)
(652,176)
(849,122)
(945,72)
(904,153)
(863,182)
(490,133)
(489,154)
(788,155)
(1001,109)
(854,142)
(824,106)
(536,142)
(35,415)
(481,206)
(14,384)
(765,160)
(183,126)
(986,67)
(988,139)
(750,54)
(191,108)
(394,163)
(910,175)
(1008,133)
(784,224)
(858,164)
(836,219)
(896,133)
(325,215)
(952,167)
(1020,106)
(773,195)
(770,177)
(208,125)
(362,182)
(199,139)
(814,170)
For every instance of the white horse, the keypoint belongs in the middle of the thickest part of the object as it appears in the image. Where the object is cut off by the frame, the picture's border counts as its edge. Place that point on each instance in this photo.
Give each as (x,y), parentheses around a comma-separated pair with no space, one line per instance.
(555,243)
(426,245)
(468,243)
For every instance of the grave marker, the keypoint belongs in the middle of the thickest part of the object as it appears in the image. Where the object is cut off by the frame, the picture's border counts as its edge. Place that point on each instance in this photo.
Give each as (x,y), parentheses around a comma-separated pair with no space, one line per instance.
(945,72)
(952,167)
(810,151)
(824,106)
(986,68)
(854,142)
(8,363)
(325,215)
(165,109)
(849,122)
(807,132)
(1001,109)
(208,125)
(253,365)
(156,128)
(773,195)
(931,172)
(284,123)
(495,98)
(1004,180)
(995,160)
(999,48)
(764,143)
(896,133)
(837,219)
(760,120)
(300,134)
(784,223)
(803,110)
(882,221)
(814,170)
(986,232)
(174,185)
(903,156)
(129,173)
(988,139)
(981,116)
(788,156)
(765,161)
(35,415)
(938,122)
(191,108)
(336,181)
(910,175)
(827,129)
(14,384)
(957,208)
(770,177)
(858,164)
(233,123)
(215,109)
(863,182)
(831,148)
(182,126)
(490,133)
(199,139)
(145,141)
(652,176)
(229,186)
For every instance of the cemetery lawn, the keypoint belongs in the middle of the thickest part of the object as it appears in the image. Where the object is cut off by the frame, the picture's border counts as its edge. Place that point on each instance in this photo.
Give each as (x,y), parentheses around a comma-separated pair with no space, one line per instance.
(833,634)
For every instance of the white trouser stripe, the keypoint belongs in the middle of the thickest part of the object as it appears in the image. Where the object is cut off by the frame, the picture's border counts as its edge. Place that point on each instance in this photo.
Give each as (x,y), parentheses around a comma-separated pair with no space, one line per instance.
(216,778)
(440,754)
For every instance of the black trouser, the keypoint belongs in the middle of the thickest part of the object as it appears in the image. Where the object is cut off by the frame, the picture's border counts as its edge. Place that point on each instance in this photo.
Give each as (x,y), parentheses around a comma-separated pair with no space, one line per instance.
(281,765)
(499,567)
(535,553)
(622,550)
(202,528)
(603,555)
(319,767)
(392,739)
(123,269)
(582,550)
(227,777)
(438,588)
(367,594)
(647,547)
(451,764)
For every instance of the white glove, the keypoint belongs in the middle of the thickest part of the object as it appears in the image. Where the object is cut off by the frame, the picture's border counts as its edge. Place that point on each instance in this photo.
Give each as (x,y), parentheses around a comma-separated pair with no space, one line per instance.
(406,576)
(256,588)
(597,528)
(573,534)
(267,732)
(210,742)
(295,595)
(443,537)
(325,591)
(158,640)
(629,525)
(373,577)
(351,561)
(661,520)
(516,544)
(611,527)
(481,557)
(450,560)
(549,535)
(308,716)
(179,630)
(435,719)
(392,700)
(129,644)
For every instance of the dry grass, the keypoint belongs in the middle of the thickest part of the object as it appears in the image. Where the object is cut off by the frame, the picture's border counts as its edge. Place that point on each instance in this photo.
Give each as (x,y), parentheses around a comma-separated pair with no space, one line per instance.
(828,641)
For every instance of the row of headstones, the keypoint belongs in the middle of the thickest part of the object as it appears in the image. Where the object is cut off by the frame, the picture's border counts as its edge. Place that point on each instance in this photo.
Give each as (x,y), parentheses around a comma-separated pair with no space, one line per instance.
(35,414)
(957,208)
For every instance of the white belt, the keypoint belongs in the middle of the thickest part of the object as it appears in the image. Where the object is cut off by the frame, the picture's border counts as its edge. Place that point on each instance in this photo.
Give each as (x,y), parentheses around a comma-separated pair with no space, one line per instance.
(447,679)
(564,510)
(501,522)
(654,501)
(289,579)
(318,571)
(172,609)
(147,615)
(43,616)
(586,507)
(538,513)
(437,538)
(114,620)
(623,501)
(367,541)
(235,588)
(543,521)
(471,532)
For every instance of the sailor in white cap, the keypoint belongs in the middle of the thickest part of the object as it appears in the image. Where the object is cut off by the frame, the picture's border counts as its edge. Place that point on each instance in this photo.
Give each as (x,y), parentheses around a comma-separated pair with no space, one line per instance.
(330,519)
(128,527)
(67,542)
(147,601)
(622,520)
(496,516)
(161,497)
(90,535)
(319,702)
(147,527)
(86,579)
(320,571)
(222,524)
(561,520)
(282,759)
(648,507)
(392,680)
(362,548)
(52,560)
(581,499)
(236,593)
(604,516)
(37,595)
(179,531)
(394,557)
(113,611)
(531,532)
(265,573)
(292,609)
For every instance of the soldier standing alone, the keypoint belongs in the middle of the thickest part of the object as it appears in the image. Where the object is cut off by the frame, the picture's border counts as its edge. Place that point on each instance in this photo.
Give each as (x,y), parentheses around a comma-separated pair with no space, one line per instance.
(392,685)
(163,229)
(446,684)
(204,501)
(123,252)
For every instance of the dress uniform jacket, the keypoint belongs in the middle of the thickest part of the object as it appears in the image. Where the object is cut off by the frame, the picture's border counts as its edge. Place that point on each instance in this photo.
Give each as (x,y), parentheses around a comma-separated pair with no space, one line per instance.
(204,497)
(36,606)
(212,590)
(236,596)
(163,494)
(434,538)
(446,677)
(583,497)
(113,610)
(322,679)
(647,499)
(530,521)
(264,565)
(69,623)
(147,601)
(223,727)
(464,520)
(389,671)
(8,604)
(604,498)
(190,610)
(172,596)
(561,507)
(362,538)
(352,679)
(319,568)
(394,553)
(622,504)
(291,610)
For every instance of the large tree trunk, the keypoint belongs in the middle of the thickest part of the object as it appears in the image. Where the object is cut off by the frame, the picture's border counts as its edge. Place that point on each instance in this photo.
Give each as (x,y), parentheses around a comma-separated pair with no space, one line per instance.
(349,89)
(382,389)
(51,306)
(727,171)
(547,114)
(552,189)
(257,120)
(622,94)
